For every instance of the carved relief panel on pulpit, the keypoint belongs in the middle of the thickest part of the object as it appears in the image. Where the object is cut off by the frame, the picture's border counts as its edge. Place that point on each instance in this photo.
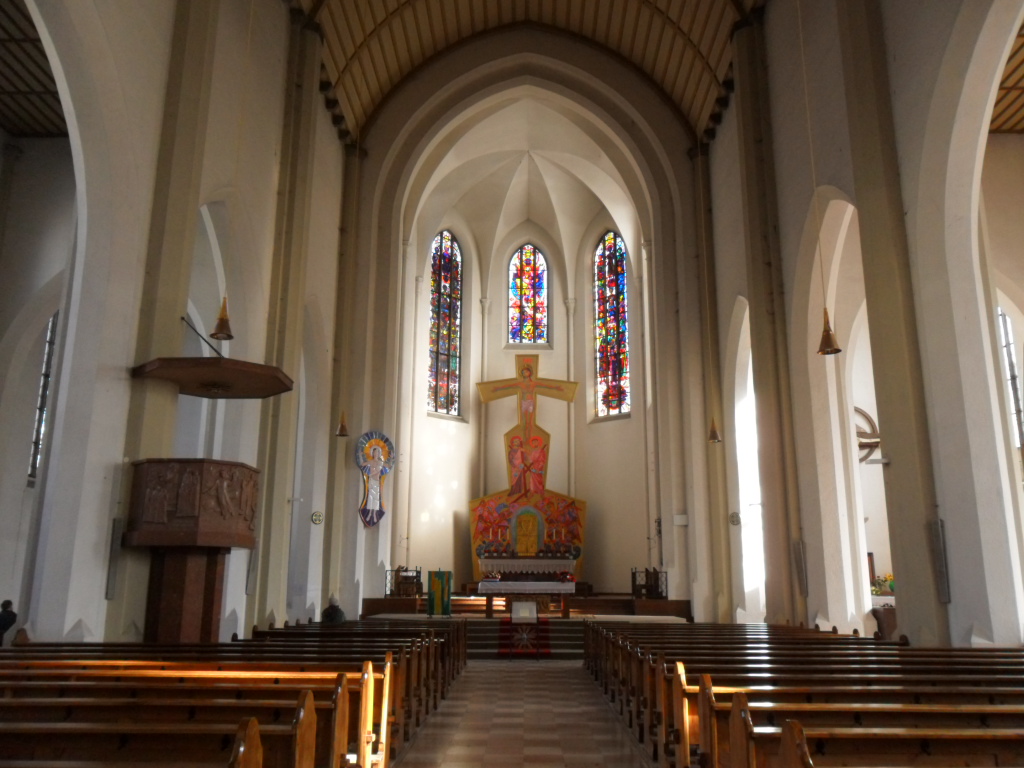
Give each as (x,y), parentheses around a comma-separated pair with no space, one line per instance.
(192,502)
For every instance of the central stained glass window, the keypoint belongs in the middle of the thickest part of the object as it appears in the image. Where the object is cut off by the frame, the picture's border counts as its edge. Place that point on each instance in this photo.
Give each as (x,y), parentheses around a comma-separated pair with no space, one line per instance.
(611,326)
(528,297)
(445,324)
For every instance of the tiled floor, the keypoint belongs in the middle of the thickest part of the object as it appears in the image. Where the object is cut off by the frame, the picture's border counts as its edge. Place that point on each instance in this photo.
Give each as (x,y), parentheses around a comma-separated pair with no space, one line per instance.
(523,712)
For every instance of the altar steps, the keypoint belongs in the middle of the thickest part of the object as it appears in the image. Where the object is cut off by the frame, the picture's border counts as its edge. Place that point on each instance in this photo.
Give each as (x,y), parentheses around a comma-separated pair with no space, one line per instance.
(496,639)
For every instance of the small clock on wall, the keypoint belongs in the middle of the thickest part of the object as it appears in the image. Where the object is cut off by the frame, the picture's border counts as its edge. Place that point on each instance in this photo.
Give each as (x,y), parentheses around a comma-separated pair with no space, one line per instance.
(317,518)
(868,438)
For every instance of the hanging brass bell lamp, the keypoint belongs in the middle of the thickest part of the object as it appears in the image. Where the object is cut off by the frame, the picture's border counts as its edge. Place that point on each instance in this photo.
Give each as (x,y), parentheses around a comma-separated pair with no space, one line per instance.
(829,344)
(222,330)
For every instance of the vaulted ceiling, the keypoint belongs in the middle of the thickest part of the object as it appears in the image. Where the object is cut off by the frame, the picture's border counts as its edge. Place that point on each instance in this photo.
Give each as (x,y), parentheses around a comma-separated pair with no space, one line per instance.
(370,45)
(29,103)
(1008,114)
(682,45)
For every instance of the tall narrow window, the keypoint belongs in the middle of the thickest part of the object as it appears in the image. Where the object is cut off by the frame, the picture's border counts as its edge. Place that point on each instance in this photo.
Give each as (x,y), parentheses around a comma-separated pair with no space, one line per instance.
(1010,372)
(611,326)
(39,433)
(528,297)
(445,324)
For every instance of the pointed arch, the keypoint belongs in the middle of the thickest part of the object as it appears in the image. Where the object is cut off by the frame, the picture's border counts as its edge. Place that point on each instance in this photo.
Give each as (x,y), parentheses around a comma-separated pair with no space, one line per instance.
(528,296)
(445,324)
(611,326)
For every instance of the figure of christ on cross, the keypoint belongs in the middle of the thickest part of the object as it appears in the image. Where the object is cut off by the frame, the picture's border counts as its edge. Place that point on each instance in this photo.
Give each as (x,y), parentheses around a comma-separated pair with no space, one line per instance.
(531,442)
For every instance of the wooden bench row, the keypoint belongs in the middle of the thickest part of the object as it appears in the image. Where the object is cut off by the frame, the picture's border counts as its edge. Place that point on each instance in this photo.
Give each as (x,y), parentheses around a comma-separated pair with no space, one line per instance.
(227,704)
(796,745)
(293,729)
(660,679)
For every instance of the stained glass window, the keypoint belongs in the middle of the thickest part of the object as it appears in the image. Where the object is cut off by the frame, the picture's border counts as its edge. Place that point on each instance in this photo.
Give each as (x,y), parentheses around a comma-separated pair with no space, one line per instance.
(39,433)
(611,326)
(528,297)
(445,324)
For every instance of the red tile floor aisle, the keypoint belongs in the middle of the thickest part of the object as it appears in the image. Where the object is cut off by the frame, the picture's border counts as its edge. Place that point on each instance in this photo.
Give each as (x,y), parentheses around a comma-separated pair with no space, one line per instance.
(523,712)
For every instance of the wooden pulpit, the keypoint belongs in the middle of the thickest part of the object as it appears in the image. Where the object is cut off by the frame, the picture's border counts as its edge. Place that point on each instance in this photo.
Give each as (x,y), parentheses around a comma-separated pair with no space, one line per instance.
(189,513)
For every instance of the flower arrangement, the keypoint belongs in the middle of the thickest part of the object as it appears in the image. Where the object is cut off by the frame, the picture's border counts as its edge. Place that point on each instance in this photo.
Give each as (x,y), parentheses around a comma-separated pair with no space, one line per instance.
(883,585)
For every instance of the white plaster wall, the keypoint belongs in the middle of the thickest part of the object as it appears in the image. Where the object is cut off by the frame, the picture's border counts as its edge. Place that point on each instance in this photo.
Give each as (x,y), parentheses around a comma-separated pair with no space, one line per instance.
(105,57)
(39,229)
(814,381)
(943,83)
(1001,181)
(731,288)
(1002,184)
(110,61)
(318,422)
(932,48)
(826,104)
(446,450)
(17,495)
(610,462)
(872,487)
(38,241)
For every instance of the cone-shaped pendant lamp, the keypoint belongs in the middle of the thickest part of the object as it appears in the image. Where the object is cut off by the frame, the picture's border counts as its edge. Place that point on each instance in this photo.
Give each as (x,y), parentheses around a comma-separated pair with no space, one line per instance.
(342,427)
(714,436)
(829,344)
(222,330)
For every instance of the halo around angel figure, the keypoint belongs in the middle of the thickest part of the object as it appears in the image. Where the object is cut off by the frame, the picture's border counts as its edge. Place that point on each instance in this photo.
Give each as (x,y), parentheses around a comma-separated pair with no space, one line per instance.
(375,457)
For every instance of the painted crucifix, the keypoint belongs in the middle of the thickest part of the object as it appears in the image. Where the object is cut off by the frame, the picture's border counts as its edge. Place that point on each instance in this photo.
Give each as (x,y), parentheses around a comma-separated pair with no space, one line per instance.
(526,444)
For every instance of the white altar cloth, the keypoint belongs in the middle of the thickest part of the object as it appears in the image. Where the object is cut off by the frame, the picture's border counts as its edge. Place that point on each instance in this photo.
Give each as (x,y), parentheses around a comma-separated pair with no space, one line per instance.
(526,588)
(527,564)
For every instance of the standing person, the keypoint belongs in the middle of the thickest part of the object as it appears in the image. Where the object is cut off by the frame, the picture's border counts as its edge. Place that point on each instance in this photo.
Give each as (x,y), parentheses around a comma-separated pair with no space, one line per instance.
(7,618)
(332,614)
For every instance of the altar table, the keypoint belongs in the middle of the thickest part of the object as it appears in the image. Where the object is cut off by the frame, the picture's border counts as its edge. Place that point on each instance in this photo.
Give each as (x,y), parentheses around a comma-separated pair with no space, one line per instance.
(516,588)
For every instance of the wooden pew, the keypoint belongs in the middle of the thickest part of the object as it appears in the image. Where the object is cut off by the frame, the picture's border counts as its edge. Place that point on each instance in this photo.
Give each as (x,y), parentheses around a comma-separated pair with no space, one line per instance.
(423,670)
(821,685)
(865,709)
(392,702)
(363,694)
(446,641)
(654,698)
(323,665)
(286,745)
(247,752)
(754,746)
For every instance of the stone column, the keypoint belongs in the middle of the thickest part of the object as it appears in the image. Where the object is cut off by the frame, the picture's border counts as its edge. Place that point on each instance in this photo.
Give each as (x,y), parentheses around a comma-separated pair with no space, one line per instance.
(648,340)
(785,592)
(899,384)
(401,530)
(570,314)
(153,410)
(280,415)
(710,361)
(485,310)
(337,543)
